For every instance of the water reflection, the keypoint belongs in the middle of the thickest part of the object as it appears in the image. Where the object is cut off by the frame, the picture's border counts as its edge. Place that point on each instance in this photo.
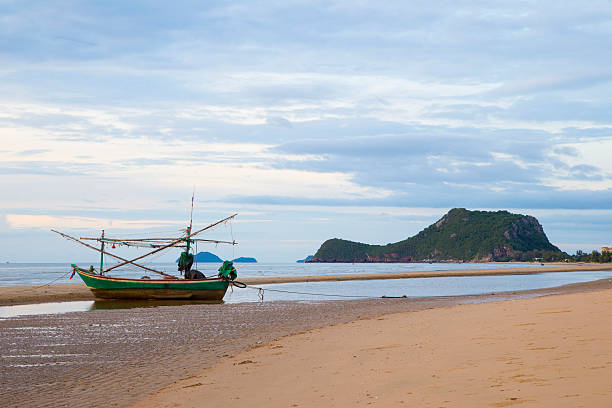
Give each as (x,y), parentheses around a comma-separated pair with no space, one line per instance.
(85,306)
(109,304)
(45,308)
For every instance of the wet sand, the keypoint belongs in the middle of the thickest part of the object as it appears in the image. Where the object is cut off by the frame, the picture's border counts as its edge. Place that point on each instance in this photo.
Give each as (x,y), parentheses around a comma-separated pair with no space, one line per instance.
(552,351)
(13,295)
(118,357)
(19,295)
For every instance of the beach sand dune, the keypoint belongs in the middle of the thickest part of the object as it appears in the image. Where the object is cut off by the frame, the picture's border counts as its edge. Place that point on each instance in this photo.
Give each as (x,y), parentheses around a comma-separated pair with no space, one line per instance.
(552,351)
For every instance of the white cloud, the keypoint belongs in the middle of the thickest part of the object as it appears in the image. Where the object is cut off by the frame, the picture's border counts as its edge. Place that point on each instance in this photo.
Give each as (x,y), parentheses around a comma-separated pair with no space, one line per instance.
(46,222)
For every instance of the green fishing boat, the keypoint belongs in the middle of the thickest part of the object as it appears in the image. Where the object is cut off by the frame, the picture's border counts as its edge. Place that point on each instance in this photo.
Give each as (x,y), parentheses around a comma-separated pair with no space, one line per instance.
(192,284)
(105,287)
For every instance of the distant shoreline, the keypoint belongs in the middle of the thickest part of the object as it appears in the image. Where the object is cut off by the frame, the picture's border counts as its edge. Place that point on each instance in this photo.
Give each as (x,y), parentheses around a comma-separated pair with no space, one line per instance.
(15,295)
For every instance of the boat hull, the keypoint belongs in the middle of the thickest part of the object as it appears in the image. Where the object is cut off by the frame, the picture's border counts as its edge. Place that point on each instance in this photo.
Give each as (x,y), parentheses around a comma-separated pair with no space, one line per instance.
(120,288)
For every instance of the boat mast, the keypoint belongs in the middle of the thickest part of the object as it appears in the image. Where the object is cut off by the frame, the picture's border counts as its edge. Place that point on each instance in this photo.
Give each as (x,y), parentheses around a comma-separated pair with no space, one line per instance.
(171,244)
(102,255)
(190,224)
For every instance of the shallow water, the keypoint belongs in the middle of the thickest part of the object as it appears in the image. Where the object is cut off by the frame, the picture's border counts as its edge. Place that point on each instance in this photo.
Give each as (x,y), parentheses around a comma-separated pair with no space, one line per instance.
(45,308)
(313,291)
(416,287)
(13,274)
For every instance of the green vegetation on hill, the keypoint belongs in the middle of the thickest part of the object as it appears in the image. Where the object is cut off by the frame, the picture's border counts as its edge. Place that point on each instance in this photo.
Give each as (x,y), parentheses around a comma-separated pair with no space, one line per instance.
(460,236)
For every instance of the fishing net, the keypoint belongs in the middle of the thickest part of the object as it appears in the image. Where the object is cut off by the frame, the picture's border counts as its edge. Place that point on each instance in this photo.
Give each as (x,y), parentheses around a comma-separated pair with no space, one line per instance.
(227,271)
(185,262)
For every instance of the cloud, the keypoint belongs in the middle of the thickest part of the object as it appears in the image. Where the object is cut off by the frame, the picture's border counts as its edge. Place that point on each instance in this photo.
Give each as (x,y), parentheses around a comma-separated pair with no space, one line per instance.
(278,121)
(453,195)
(32,152)
(424,157)
(42,168)
(586,172)
(551,83)
(76,40)
(45,222)
(565,150)
(324,105)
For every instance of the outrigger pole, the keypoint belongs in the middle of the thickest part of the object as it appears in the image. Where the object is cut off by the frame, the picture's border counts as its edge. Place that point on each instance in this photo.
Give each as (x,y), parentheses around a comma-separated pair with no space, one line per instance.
(126,261)
(108,253)
(185,238)
(128,241)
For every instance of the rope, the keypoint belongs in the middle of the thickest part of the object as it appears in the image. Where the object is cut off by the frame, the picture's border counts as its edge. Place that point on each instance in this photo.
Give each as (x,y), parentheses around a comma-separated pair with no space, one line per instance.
(45,284)
(155,257)
(261,291)
(54,280)
(196,255)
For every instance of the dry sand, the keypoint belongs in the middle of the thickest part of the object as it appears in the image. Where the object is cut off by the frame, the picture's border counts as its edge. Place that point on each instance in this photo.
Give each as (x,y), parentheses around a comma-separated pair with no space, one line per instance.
(13,295)
(540,352)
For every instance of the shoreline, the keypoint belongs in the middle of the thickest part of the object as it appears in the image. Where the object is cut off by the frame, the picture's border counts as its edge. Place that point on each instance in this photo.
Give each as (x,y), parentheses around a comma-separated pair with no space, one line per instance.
(16,295)
(547,351)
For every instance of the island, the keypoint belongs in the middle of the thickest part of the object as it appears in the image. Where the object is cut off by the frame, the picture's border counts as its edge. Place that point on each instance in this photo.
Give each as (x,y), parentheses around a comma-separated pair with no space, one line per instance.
(459,236)
(205,257)
(307,259)
(244,259)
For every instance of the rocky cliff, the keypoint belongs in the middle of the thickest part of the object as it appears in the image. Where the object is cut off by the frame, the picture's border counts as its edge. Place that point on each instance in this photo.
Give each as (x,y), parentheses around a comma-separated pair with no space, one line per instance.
(459,236)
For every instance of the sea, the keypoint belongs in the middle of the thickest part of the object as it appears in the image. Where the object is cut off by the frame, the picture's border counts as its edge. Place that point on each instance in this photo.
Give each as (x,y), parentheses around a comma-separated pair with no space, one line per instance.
(35,274)
(13,274)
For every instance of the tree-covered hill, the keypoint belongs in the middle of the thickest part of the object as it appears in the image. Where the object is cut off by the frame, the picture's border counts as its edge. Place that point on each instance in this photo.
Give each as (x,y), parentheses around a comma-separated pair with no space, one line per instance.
(461,235)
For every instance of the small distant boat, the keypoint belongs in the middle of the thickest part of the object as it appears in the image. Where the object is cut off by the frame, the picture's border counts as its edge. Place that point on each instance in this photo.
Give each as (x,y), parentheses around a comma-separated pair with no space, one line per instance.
(194,285)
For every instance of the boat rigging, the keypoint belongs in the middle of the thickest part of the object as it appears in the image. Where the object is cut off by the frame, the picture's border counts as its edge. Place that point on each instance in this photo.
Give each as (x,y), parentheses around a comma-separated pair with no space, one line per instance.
(194,285)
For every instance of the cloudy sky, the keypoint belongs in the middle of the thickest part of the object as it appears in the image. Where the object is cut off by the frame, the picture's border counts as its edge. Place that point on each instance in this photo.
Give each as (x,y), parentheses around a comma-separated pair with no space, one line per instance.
(351,119)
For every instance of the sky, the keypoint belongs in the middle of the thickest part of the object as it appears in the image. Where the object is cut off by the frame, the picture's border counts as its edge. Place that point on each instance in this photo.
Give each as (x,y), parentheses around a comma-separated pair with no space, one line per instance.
(312,120)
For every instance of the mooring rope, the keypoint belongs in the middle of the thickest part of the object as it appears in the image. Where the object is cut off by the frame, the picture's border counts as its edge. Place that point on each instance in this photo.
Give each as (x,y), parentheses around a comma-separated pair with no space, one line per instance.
(260,292)
(53,281)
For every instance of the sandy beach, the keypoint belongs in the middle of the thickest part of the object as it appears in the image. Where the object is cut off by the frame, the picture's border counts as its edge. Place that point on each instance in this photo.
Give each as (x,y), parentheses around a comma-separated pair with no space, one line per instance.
(538,348)
(116,355)
(552,351)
